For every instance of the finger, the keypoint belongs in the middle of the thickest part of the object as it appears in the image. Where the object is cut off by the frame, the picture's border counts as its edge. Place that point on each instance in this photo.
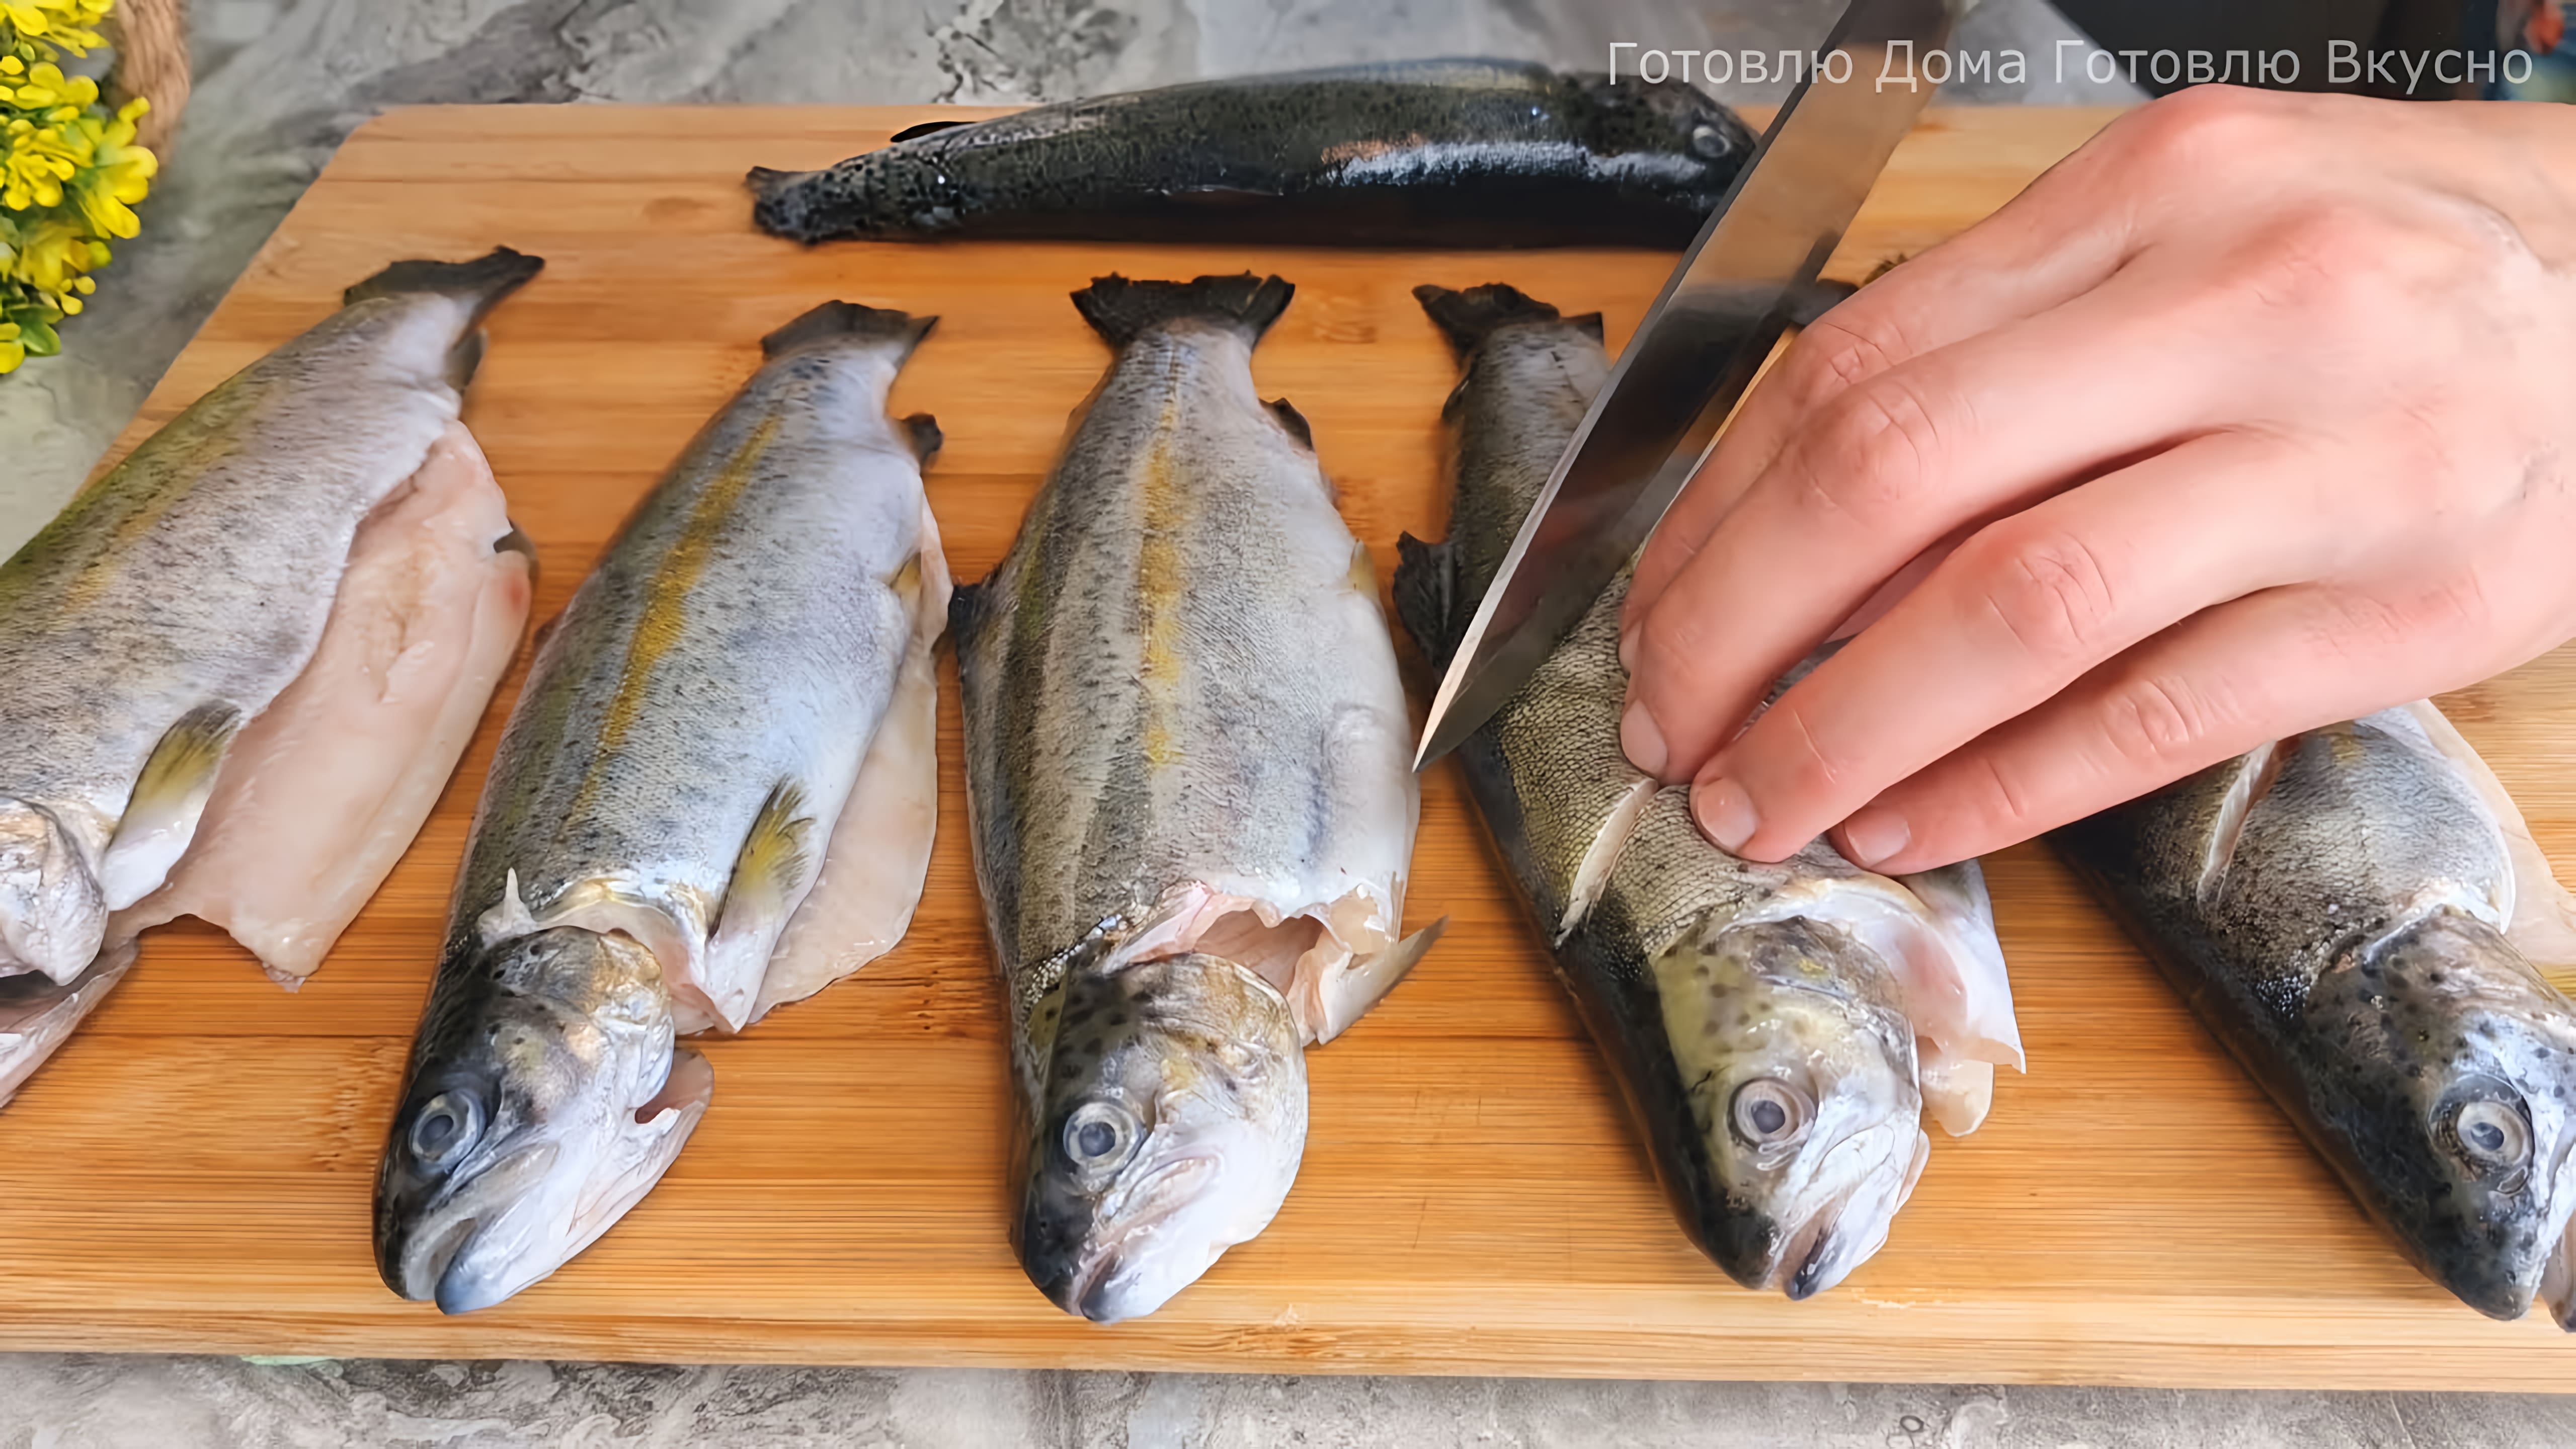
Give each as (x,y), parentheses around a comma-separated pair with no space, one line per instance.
(2221,683)
(2052,243)
(2020,611)
(1886,471)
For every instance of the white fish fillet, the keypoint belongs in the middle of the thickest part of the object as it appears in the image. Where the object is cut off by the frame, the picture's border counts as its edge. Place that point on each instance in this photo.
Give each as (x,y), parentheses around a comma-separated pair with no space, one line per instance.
(322,793)
(864,896)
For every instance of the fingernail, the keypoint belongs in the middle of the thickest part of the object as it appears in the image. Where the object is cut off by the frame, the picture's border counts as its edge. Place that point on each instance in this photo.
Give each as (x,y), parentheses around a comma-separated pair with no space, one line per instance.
(1725,813)
(1873,834)
(1628,649)
(1642,741)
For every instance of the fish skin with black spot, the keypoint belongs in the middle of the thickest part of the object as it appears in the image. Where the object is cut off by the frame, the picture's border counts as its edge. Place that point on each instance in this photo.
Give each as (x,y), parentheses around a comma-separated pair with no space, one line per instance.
(2333,909)
(1747,1011)
(1451,153)
(1182,715)
(656,810)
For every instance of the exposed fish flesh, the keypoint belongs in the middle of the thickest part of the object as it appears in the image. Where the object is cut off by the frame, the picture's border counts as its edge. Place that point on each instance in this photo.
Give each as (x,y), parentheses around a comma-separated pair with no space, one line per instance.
(1777,1029)
(324,790)
(1459,153)
(306,582)
(697,724)
(2355,912)
(1188,769)
(173,601)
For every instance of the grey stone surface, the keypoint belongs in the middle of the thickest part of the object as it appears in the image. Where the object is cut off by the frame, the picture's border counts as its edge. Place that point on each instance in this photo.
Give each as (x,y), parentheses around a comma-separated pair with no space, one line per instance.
(179,1403)
(283,81)
(281,84)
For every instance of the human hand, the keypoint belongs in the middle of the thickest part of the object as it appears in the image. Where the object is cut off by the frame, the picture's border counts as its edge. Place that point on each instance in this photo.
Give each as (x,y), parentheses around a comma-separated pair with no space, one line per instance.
(2255,414)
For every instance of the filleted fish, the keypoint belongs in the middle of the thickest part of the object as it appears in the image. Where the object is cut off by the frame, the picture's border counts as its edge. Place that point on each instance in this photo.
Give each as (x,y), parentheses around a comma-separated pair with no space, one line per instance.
(1461,153)
(1189,772)
(244,663)
(727,729)
(2355,911)
(1777,1030)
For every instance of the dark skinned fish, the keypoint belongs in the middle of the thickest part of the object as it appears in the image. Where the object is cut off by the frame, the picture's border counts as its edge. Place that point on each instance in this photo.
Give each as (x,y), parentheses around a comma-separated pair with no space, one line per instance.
(696,723)
(1455,153)
(2347,910)
(1756,1016)
(1188,767)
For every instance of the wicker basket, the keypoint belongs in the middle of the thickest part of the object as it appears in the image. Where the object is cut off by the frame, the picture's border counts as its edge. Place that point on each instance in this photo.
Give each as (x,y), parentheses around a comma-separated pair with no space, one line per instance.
(152,62)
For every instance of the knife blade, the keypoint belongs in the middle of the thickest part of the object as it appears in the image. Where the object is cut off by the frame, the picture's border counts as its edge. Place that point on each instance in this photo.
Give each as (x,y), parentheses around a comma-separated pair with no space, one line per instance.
(1691,358)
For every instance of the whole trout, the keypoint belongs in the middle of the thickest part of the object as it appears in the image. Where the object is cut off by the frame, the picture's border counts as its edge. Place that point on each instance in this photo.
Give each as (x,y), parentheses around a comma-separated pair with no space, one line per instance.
(1456,153)
(2347,910)
(172,602)
(690,732)
(1188,771)
(1777,1030)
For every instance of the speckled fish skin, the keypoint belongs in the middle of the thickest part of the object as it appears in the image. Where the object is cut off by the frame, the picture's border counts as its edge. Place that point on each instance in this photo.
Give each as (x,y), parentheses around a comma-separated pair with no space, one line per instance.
(656,809)
(1178,690)
(1458,153)
(179,595)
(1762,1046)
(2333,909)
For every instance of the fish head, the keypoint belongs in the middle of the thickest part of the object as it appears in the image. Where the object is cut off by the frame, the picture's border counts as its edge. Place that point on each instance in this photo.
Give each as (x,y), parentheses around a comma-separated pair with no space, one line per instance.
(1173,1119)
(2456,1104)
(1805,1113)
(1668,118)
(52,913)
(534,1117)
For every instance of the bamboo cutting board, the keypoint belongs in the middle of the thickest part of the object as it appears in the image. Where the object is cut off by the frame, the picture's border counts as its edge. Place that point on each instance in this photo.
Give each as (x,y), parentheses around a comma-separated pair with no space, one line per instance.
(193,1171)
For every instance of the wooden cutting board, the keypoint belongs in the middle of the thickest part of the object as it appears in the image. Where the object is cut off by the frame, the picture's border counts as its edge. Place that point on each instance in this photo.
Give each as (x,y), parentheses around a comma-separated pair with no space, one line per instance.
(193,1171)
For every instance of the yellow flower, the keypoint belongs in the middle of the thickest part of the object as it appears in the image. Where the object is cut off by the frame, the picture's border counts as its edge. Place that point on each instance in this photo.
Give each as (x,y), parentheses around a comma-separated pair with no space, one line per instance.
(37,160)
(65,24)
(46,85)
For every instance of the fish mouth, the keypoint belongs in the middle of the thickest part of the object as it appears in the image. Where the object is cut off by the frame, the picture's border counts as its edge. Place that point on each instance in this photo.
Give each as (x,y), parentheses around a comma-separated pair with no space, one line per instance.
(438,1263)
(1113,1281)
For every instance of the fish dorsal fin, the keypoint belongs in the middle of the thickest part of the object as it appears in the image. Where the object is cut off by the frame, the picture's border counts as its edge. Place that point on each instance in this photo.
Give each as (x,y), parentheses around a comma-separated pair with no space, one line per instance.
(925,128)
(965,609)
(776,862)
(1293,420)
(922,431)
(169,795)
(1426,582)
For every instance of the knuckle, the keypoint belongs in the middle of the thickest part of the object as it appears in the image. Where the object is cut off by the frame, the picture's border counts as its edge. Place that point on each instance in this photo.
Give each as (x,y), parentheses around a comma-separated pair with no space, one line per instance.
(1872,450)
(1800,763)
(2156,720)
(2050,592)
(2179,137)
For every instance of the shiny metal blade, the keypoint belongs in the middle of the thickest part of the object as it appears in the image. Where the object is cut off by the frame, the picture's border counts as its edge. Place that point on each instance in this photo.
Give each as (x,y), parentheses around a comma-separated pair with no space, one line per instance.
(1694,354)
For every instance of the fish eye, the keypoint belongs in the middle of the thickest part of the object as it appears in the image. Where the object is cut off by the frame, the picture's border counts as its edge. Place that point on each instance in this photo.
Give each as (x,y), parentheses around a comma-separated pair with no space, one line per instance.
(1100,1137)
(2492,1135)
(1769,1112)
(1708,141)
(446,1128)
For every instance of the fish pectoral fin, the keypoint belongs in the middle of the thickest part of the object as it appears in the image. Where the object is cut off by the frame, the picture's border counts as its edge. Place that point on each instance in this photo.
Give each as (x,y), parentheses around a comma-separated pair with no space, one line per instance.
(771,875)
(775,865)
(169,796)
(1367,982)
(925,128)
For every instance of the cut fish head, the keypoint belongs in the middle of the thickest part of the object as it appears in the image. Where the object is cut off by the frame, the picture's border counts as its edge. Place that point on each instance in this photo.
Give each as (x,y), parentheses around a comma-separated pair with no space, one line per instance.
(1804,1114)
(533,1120)
(1173,1121)
(2457,1107)
(52,916)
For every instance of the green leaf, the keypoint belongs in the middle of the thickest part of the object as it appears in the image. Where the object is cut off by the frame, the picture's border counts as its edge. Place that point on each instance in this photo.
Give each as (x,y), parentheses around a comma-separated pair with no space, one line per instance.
(39,338)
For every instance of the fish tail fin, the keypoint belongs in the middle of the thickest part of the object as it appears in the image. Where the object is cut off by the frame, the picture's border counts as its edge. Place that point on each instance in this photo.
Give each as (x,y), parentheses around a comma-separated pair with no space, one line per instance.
(836,323)
(486,280)
(1426,582)
(1122,310)
(1467,318)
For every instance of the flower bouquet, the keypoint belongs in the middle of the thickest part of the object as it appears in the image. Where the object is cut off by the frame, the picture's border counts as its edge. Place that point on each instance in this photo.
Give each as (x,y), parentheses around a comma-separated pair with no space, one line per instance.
(70,171)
